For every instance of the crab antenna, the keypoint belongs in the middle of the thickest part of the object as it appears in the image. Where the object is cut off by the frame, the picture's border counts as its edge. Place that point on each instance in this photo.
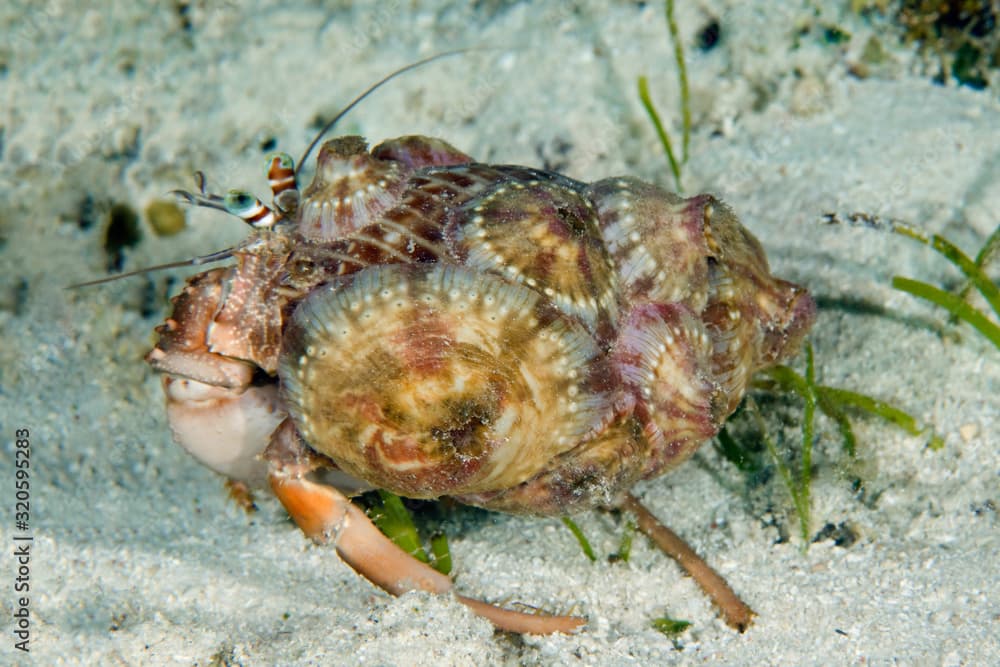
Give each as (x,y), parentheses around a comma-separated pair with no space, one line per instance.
(202,197)
(371,89)
(199,180)
(197,261)
(208,201)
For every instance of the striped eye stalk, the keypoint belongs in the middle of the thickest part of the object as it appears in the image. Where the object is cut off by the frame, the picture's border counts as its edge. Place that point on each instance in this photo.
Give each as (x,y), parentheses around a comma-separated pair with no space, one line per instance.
(281,173)
(284,184)
(250,209)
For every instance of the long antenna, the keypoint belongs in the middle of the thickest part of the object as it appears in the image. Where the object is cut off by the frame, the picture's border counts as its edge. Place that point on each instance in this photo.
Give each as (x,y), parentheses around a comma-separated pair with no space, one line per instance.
(197,261)
(371,89)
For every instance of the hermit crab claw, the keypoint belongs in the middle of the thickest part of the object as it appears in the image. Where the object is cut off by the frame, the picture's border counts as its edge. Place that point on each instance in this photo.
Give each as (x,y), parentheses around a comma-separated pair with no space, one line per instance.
(327,516)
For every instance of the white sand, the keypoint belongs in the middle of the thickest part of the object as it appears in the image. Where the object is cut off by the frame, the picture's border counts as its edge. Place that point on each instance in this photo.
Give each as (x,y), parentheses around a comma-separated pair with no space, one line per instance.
(140,559)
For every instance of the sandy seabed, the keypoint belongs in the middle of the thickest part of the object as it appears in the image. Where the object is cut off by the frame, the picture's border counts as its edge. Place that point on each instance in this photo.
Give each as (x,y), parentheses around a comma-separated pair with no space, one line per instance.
(137,556)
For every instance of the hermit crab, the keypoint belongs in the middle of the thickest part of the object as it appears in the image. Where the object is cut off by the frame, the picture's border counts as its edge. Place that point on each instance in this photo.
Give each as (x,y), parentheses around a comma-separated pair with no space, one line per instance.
(419,322)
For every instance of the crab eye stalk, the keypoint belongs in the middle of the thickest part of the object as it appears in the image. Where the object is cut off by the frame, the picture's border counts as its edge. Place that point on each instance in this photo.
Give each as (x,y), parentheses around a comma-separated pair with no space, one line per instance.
(284,185)
(249,209)
(280,160)
(281,173)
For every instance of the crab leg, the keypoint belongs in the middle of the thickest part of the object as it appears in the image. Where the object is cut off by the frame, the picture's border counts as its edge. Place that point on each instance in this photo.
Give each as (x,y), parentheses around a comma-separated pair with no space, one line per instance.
(735,612)
(326,515)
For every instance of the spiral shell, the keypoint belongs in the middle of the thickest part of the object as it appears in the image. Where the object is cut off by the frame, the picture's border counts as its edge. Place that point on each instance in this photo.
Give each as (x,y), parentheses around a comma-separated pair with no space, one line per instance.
(432,326)
(505,335)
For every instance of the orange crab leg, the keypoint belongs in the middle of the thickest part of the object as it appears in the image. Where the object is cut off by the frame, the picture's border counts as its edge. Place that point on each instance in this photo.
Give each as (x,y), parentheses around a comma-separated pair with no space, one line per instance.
(521,622)
(735,612)
(326,515)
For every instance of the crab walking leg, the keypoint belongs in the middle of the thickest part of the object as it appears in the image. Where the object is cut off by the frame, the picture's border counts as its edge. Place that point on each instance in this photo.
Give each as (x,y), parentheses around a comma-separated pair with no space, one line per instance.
(326,515)
(735,612)
(521,622)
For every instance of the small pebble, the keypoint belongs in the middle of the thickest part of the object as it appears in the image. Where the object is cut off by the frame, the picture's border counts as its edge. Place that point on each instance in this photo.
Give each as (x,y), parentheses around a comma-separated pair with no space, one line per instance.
(968,432)
(165,217)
